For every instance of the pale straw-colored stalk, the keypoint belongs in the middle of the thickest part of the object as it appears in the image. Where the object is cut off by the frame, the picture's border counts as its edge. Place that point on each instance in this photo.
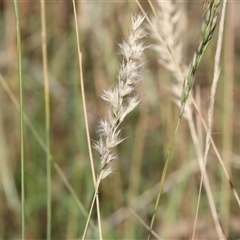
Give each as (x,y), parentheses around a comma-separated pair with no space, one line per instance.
(228,109)
(85,116)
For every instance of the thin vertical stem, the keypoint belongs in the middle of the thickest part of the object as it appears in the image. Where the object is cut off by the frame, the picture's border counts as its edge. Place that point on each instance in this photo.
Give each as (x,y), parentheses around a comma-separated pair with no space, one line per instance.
(95,196)
(47,116)
(85,118)
(83,96)
(163,177)
(21,119)
(227,112)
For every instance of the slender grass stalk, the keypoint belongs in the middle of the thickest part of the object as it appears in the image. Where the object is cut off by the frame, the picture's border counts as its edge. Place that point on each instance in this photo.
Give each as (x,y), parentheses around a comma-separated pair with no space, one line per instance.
(83,93)
(164,173)
(228,111)
(208,27)
(211,110)
(143,223)
(21,118)
(144,199)
(199,127)
(85,117)
(218,157)
(206,183)
(92,205)
(47,118)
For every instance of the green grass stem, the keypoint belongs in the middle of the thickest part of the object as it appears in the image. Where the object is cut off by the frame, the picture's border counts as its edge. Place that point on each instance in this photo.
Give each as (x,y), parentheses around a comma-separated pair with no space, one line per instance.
(47,118)
(21,118)
(228,113)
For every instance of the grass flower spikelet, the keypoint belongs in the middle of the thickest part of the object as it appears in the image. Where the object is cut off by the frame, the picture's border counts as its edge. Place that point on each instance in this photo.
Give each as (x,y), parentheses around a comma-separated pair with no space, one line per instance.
(208,27)
(121,97)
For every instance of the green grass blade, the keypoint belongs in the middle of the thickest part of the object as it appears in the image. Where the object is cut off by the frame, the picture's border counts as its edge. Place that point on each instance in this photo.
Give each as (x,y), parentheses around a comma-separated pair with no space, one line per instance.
(21,118)
(47,118)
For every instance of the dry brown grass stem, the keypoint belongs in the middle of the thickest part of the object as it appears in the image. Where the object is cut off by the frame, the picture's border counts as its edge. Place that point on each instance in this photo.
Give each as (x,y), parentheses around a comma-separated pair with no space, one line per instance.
(205,180)
(85,117)
(83,94)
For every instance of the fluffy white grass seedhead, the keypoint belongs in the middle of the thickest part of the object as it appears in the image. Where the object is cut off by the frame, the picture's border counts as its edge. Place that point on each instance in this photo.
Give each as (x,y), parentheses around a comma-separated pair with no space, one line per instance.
(170,25)
(169,29)
(121,98)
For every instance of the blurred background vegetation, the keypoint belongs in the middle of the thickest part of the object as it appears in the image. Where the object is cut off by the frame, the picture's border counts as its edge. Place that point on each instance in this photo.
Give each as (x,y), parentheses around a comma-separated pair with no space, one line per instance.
(102,25)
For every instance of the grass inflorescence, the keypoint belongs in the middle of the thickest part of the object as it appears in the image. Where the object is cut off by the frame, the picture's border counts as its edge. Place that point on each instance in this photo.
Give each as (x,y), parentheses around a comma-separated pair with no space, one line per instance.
(121,98)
